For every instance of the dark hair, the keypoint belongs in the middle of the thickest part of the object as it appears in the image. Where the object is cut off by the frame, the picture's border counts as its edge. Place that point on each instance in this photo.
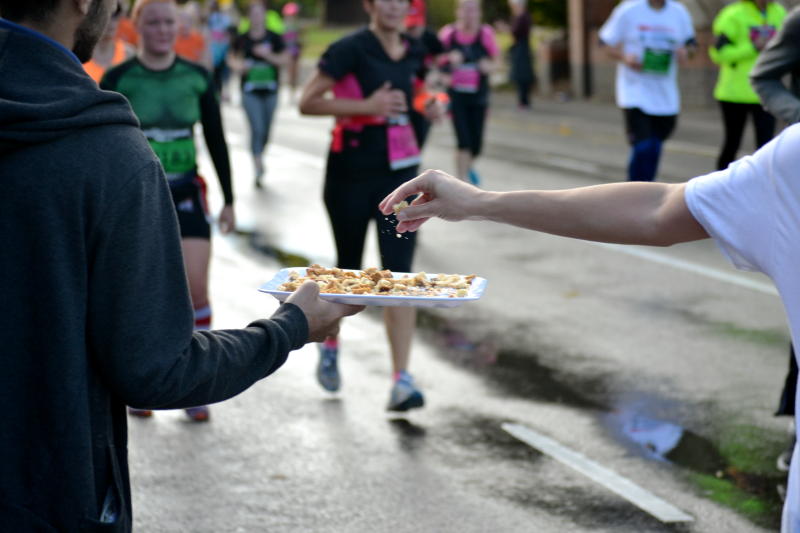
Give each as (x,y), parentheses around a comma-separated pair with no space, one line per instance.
(36,10)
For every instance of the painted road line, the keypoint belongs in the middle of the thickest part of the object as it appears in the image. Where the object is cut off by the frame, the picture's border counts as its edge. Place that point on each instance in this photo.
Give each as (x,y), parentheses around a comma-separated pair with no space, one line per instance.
(641,498)
(713,273)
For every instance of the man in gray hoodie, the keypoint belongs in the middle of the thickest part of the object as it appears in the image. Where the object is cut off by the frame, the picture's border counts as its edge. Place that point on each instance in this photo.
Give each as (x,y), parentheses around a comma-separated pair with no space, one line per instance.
(96,310)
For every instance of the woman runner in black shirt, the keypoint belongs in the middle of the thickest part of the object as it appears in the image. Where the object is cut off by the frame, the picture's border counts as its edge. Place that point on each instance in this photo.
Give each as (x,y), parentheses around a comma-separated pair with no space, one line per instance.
(374,148)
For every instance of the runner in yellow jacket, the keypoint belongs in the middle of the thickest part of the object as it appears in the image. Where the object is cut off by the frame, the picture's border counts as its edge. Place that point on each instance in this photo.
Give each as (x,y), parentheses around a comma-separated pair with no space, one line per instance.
(742,30)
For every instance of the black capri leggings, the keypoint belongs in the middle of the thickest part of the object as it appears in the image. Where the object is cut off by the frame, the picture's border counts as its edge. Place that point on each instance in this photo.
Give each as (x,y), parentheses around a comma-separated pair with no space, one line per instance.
(734,117)
(352,204)
(469,120)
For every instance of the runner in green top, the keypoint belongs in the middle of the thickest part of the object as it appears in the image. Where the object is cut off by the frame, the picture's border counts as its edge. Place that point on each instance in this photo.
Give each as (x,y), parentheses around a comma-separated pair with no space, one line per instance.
(257,56)
(169,96)
(742,30)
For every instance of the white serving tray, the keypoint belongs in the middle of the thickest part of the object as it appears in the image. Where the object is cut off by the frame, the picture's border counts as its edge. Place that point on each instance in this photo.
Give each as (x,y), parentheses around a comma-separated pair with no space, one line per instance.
(476,289)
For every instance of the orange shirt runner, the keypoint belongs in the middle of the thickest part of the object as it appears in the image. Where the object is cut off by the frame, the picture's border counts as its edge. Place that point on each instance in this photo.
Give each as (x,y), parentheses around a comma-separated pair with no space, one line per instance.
(191,46)
(96,70)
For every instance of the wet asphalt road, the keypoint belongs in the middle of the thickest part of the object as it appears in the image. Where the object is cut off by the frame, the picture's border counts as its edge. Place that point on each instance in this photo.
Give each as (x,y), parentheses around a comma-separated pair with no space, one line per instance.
(576,341)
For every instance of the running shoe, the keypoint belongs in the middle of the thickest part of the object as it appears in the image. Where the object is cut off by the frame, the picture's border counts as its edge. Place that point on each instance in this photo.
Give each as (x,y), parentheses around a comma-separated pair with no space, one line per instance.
(328,368)
(474,177)
(142,413)
(198,414)
(405,395)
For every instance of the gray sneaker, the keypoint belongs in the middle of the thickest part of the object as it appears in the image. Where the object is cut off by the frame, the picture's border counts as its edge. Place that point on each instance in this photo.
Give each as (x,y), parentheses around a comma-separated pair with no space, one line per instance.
(328,369)
(405,395)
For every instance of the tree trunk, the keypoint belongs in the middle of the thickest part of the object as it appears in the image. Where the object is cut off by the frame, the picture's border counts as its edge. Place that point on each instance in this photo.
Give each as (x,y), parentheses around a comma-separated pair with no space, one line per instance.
(344,12)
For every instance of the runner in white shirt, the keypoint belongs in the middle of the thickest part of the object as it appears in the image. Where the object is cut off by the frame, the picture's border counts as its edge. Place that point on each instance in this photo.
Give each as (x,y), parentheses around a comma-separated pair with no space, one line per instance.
(649,39)
(750,209)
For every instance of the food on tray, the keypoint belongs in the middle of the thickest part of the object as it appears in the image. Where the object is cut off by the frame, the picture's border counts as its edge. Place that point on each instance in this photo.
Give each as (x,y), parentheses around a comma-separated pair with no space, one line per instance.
(380,282)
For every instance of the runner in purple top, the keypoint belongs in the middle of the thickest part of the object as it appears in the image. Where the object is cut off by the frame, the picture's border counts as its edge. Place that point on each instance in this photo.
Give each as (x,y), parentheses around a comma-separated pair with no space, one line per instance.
(473,55)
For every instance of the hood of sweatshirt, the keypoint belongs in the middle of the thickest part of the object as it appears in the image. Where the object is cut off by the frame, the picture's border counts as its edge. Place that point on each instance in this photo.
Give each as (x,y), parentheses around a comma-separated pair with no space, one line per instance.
(46,95)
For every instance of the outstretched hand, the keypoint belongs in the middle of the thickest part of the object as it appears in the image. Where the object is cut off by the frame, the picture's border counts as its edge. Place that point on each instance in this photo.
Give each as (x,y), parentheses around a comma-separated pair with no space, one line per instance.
(323,317)
(438,194)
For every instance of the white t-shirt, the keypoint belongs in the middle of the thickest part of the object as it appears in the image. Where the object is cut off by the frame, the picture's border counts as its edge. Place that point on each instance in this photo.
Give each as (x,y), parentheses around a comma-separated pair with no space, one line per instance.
(752,211)
(653,36)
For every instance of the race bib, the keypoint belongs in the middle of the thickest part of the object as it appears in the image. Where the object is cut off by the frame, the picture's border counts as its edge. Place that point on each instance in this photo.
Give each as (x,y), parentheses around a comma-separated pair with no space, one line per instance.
(466,78)
(178,156)
(761,33)
(261,76)
(402,142)
(656,61)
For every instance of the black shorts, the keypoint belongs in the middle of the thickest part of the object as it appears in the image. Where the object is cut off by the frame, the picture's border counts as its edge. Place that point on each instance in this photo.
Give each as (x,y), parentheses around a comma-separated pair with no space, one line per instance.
(639,126)
(352,203)
(190,205)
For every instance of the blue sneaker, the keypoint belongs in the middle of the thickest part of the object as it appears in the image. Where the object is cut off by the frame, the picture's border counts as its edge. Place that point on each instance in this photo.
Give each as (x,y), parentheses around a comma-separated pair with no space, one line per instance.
(405,395)
(328,369)
(474,177)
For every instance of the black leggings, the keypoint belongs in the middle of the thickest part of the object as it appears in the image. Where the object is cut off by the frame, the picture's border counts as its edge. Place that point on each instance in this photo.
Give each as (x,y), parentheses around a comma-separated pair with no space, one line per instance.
(734,117)
(352,204)
(469,119)
(524,93)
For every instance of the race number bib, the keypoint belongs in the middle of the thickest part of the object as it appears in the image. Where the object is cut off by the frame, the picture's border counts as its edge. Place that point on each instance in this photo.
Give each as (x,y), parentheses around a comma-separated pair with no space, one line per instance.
(402,143)
(178,155)
(656,61)
(466,78)
(761,33)
(261,76)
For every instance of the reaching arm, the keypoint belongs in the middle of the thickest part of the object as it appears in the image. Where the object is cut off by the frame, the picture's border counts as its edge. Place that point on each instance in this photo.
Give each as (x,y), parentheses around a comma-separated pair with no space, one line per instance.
(385,101)
(629,213)
(314,100)
(211,119)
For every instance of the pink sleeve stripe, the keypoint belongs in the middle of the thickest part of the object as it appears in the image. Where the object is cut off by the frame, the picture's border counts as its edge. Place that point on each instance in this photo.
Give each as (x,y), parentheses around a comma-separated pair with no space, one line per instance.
(348,87)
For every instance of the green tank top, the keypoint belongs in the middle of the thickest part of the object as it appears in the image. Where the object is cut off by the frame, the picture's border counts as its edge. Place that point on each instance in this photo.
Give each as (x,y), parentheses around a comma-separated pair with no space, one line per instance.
(167,103)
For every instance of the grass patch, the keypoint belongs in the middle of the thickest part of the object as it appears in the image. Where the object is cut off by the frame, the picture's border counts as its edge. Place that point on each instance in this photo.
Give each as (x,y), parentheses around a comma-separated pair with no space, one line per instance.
(761,511)
(749,482)
(752,449)
(316,39)
(754,336)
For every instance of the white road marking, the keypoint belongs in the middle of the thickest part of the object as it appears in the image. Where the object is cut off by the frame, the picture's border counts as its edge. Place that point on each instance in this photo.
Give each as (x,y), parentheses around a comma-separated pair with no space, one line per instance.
(719,275)
(641,498)
(713,273)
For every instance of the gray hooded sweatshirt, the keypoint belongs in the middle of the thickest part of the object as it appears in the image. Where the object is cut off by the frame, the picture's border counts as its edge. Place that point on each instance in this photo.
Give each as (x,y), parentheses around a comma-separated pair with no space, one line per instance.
(95,310)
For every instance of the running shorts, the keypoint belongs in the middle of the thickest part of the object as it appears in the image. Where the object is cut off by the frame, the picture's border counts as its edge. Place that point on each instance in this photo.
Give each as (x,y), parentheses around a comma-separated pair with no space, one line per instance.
(191,207)
(639,126)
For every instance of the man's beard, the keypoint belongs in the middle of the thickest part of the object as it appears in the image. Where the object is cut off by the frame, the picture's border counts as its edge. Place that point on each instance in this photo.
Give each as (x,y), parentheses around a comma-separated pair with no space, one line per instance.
(90,30)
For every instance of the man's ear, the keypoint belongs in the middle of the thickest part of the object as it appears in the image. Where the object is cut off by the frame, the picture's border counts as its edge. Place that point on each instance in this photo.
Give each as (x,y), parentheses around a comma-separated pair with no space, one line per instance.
(83,5)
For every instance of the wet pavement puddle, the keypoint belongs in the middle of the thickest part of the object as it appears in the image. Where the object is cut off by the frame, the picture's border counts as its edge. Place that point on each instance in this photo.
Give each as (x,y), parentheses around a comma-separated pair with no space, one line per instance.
(522,375)
(755,494)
